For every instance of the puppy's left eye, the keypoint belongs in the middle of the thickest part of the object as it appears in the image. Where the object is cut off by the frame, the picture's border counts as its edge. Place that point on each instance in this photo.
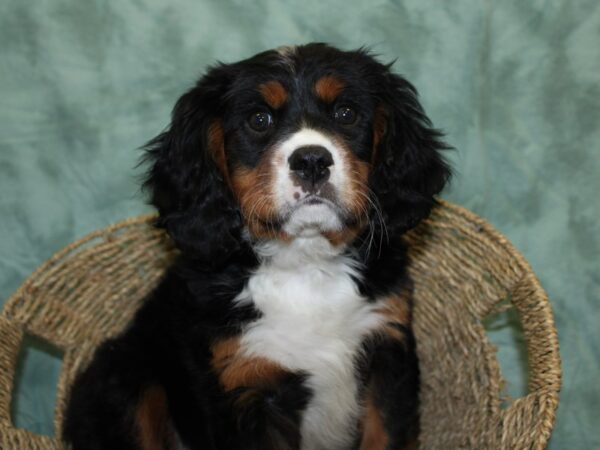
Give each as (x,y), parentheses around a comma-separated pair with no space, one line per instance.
(345,115)
(260,121)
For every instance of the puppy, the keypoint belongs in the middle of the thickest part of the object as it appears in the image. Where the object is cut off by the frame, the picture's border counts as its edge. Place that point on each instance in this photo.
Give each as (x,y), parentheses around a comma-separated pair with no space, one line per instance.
(286,181)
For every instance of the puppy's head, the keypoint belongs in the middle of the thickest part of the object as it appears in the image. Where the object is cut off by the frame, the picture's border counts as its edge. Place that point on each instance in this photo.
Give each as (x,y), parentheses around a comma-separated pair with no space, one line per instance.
(297,141)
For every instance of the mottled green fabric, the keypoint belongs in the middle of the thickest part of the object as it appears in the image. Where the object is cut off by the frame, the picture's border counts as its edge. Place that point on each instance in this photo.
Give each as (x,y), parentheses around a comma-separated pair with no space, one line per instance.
(515,85)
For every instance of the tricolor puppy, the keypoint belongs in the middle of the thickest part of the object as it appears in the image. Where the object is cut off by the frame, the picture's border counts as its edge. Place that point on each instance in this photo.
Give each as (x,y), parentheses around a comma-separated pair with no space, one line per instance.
(286,181)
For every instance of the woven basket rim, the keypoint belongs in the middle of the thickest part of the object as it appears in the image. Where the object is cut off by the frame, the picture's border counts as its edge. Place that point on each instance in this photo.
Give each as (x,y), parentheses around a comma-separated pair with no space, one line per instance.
(545,373)
(552,372)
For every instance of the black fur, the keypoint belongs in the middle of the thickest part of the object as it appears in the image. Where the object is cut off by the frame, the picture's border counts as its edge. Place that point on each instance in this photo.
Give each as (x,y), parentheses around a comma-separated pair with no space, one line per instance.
(394,379)
(411,169)
(168,343)
(193,204)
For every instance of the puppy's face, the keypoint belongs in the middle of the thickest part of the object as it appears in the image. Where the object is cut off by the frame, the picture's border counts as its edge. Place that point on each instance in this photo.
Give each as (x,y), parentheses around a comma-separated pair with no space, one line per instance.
(298,141)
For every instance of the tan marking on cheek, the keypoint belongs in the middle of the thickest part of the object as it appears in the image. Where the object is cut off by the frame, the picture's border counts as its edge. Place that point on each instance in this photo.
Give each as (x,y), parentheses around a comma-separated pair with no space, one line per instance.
(359,180)
(357,172)
(216,146)
(252,187)
(327,88)
(374,434)
(152,420)
(274,93)
(235,370)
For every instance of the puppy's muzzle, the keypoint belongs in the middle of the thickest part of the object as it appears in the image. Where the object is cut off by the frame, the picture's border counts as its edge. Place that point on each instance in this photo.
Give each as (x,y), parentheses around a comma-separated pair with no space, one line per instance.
(310,166)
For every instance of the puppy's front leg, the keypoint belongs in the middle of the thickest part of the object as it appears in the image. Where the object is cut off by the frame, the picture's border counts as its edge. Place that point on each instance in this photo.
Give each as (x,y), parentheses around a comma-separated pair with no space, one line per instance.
(264,399)
(390,421)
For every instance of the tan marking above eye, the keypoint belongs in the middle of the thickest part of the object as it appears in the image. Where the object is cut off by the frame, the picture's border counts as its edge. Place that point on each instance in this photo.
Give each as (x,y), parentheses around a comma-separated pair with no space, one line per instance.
(327,88)
(274,93)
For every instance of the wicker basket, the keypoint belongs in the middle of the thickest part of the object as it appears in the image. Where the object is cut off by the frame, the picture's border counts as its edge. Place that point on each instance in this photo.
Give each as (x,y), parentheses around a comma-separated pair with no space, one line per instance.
(463,269)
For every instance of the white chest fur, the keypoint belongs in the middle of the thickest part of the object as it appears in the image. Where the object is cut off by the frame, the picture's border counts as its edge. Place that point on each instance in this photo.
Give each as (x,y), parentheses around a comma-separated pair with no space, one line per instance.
(314,320)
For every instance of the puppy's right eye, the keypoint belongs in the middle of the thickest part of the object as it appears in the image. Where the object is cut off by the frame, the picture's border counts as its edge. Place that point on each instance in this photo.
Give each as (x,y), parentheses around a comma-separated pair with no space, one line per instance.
(260,121)
(345,115)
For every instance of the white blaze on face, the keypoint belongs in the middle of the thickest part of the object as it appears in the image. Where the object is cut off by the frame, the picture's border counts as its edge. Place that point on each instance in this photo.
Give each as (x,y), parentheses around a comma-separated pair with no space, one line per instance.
(308,219)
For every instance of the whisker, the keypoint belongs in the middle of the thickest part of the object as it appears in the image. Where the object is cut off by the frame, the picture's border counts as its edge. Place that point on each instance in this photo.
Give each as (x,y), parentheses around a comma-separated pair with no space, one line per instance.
(374,202)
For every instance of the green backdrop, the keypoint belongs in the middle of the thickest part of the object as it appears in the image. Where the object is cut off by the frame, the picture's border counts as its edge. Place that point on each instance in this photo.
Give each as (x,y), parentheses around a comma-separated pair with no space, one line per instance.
(515,85)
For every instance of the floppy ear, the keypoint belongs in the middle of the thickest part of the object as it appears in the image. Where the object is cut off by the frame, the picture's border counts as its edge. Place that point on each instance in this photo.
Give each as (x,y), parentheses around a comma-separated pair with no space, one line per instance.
(194,202)
(409,168)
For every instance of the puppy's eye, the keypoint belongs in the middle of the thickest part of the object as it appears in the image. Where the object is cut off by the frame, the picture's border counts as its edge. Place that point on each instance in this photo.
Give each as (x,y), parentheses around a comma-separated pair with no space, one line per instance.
(345,115)
(260,121)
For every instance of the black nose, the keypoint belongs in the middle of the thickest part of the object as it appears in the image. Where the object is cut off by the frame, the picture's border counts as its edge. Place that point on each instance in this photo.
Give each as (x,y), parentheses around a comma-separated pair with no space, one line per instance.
(311,163)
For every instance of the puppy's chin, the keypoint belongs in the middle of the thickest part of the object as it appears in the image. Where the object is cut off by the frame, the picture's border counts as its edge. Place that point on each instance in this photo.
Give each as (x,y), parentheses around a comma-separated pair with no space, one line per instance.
(311,220)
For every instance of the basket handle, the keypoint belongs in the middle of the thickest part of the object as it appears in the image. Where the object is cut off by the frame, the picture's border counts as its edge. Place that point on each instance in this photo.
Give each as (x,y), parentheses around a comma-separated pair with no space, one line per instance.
(11,337)
(535,411)
(540,334)
(12,334)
